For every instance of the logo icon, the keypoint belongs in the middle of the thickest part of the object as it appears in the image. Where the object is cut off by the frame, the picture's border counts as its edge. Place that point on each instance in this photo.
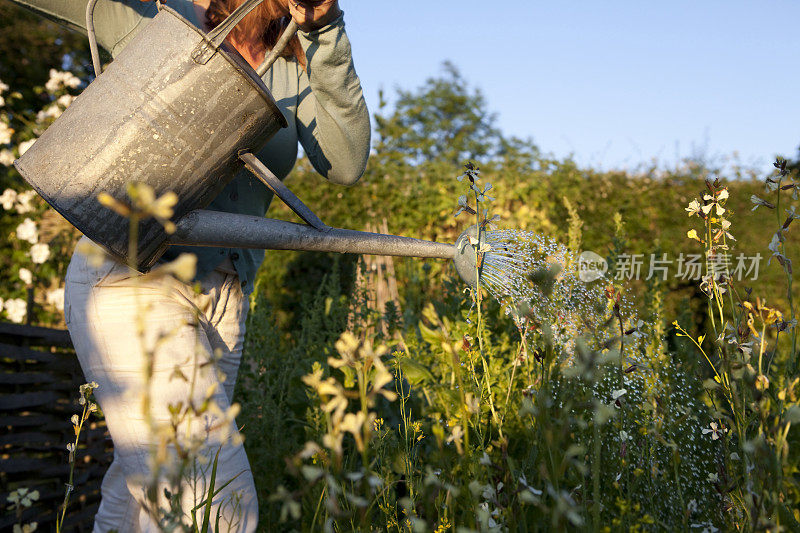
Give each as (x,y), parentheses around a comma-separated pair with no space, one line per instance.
(591,266)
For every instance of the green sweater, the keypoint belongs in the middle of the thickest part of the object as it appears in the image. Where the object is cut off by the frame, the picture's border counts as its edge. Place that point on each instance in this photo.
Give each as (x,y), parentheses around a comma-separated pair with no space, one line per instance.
(323,105)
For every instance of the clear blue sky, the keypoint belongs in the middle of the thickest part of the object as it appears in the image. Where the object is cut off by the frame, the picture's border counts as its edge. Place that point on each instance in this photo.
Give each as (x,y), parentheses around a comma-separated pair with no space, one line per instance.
(615,83)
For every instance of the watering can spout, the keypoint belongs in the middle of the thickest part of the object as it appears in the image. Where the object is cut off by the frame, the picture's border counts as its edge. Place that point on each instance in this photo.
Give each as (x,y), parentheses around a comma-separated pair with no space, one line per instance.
(220,229)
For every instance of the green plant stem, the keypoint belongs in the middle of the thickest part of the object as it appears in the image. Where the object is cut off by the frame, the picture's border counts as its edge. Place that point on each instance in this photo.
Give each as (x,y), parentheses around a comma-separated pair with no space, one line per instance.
(60,521)
(511,381)
(319,506)
(596,475)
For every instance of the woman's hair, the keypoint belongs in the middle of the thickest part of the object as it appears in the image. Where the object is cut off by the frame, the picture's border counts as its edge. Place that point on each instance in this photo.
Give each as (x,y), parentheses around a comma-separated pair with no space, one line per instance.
(264,24)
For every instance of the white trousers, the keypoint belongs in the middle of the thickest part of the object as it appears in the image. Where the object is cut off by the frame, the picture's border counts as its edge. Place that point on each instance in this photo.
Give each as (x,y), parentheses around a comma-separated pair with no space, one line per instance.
(101,307)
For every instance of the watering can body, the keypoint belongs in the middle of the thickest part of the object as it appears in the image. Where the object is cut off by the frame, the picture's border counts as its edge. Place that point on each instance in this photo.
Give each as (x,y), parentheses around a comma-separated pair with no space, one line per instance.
(170,111)
(181,112)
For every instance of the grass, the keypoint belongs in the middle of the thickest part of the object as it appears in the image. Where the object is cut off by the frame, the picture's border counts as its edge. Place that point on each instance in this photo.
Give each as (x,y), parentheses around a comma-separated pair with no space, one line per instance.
(497,426)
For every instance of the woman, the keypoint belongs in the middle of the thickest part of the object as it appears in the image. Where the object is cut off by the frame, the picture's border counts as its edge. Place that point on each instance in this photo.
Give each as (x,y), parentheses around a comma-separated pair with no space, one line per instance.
(317,89)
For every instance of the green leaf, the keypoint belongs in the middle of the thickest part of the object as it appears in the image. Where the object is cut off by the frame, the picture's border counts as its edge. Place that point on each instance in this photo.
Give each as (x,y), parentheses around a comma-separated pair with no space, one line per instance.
(414,372)
(207,510)
(431,336)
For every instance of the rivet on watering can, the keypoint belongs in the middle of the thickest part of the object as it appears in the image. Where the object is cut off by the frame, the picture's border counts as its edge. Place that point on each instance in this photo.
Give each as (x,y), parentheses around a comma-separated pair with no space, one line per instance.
(234,256)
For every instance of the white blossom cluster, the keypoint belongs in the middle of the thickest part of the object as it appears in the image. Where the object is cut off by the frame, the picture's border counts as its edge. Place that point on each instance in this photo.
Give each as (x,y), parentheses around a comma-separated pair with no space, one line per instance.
(54,110)
(61,79)
(6,156)
(5,133)
(27,231)
(3,88)
(16,309)
(58,82)
(21,202)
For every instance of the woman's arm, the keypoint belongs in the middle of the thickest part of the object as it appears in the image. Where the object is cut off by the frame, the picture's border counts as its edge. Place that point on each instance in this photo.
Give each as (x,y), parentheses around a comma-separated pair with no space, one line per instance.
(332,118)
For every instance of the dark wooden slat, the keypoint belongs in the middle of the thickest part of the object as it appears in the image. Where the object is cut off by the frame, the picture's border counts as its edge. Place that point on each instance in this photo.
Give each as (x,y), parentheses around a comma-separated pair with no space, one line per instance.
(47,421)
(59,383)
(31,419)
(46,466)
(27,399)
(31,438)
(20,353)
(36,335)
(26,378)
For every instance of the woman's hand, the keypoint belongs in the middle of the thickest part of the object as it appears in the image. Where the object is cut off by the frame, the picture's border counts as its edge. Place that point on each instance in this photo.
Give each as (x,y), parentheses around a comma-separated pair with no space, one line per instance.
(313,14)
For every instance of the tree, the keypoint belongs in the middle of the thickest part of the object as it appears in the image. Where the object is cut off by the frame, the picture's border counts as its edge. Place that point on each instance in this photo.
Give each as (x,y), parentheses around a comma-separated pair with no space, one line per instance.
(443,120)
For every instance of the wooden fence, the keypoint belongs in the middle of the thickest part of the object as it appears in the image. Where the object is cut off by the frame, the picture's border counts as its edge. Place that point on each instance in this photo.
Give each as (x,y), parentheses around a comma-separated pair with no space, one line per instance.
(39,380)
(378,278)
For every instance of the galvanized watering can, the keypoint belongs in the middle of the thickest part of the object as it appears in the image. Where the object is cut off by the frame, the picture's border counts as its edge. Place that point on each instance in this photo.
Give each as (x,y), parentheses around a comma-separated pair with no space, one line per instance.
(180,111)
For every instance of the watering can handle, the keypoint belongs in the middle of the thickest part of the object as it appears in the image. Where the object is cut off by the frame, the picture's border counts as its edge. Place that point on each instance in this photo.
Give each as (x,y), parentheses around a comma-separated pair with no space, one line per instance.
(217,35)
(254,165)
(92,37)
(98,67)
(284,39)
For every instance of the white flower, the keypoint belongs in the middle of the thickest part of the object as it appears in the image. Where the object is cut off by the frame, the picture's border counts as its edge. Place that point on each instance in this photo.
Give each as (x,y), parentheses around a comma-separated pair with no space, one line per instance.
(56,298)
(3,86)
(713,478)
(2,101)
(24,201)
(25,145)
(27,231)
(715,430)
(6,157)
(776,241)
(51,111)
(617,394)
(65,100)
(5,133)
(694,207)
(8,198)
(26,276)
(462,205)
(624,435)
(722,195)
(54,82)
(40,253)
(59,79)
(16,309)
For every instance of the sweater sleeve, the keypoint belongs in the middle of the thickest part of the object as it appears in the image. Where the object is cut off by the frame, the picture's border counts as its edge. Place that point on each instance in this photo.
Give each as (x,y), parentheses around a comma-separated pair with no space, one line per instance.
(115,22)
(332,118)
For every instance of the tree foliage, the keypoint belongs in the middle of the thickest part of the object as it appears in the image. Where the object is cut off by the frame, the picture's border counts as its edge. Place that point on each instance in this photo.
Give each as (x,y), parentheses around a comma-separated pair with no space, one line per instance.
(445,119)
